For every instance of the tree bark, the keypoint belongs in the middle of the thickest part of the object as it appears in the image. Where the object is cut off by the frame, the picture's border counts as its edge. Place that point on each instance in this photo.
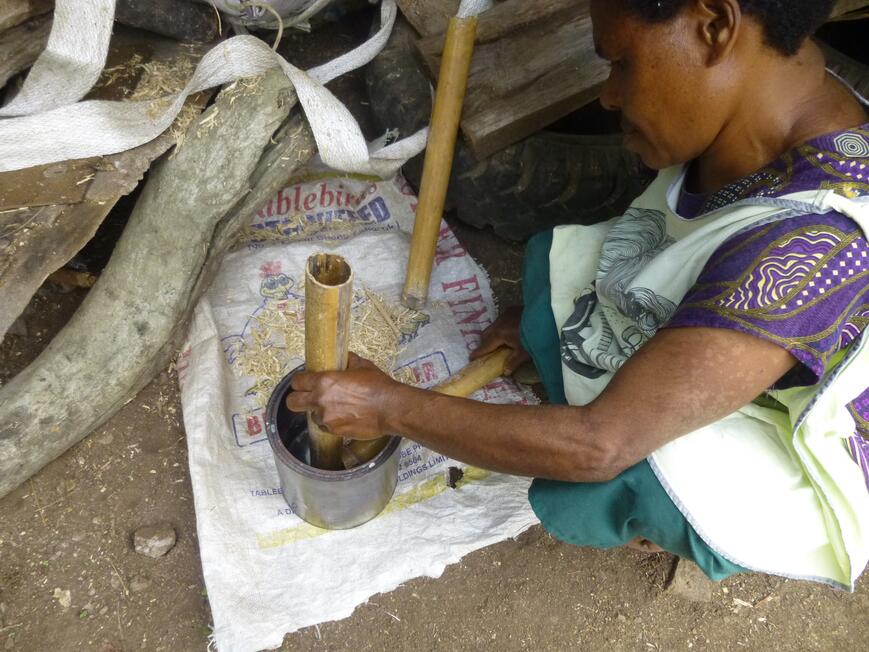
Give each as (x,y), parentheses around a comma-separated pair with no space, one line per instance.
(15,12)
(135,317)
(22,45)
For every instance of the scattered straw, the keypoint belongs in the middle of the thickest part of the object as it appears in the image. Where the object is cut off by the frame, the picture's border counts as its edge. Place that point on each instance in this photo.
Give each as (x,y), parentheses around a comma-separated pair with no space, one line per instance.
(298,227)
(162,78)
(159,82)
(111,75)
(277,339)
(243,87)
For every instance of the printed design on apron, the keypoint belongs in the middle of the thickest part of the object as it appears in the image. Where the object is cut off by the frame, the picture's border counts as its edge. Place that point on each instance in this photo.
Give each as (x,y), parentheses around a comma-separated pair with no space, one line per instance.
(613,318)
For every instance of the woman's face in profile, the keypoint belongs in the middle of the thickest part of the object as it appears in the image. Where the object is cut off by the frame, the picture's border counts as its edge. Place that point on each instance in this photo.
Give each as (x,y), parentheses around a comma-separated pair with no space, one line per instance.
(673,104)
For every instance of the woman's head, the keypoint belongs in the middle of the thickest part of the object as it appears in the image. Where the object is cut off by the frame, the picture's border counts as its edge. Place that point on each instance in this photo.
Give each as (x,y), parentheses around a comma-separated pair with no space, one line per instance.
(680,68)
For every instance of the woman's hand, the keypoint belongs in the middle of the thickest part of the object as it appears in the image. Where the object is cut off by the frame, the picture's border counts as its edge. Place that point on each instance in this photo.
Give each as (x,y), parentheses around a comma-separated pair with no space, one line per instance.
(504,332)
(352,403)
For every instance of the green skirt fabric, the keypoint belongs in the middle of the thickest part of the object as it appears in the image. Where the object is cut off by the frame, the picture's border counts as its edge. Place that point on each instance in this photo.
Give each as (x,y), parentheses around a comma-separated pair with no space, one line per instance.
(607,514)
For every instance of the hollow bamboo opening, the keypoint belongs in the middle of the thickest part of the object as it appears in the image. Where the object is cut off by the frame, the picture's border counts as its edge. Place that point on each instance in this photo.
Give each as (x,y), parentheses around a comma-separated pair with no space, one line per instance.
(328,298)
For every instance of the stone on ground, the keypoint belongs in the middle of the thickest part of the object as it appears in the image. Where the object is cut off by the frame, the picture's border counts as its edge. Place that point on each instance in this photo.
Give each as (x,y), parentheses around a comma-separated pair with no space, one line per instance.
(690,583)
(154,540)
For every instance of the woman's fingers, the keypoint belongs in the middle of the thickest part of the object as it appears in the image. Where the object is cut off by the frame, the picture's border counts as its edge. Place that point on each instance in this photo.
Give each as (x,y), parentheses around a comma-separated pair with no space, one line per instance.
(358,362)
(504,332)
(342,402)
(516,359)
(300,401)
(488,344)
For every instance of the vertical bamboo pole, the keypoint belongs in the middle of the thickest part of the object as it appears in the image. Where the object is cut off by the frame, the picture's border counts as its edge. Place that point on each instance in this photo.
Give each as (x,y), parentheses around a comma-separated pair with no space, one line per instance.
(452,83)
(328,295)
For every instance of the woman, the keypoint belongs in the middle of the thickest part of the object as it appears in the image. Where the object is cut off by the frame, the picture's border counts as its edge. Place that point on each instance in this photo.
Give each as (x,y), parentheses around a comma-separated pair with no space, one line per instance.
(711,343)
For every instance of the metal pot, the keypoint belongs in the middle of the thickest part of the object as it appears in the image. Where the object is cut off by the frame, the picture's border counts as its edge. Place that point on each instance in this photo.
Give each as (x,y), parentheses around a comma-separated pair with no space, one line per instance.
(334,500)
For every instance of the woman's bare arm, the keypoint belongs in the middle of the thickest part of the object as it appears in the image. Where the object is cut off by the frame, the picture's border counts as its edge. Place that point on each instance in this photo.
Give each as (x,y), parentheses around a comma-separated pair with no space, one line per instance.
(682,380)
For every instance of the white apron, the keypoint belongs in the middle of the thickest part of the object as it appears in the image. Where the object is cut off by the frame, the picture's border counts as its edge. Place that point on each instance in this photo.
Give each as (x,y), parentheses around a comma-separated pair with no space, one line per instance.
(770,491)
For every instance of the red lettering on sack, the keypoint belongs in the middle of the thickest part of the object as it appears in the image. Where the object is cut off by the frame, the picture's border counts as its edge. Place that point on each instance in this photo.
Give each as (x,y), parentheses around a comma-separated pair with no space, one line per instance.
(326,196)
(284,204)
(254,426)
(471,284)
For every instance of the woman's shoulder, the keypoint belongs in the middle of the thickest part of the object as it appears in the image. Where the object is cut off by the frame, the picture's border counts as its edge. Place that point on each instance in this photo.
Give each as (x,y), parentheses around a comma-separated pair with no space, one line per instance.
(801,282)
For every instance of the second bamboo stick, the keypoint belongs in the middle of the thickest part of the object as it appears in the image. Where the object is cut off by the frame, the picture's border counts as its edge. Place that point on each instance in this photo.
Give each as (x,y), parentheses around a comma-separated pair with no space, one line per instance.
(474,376)
(446,114)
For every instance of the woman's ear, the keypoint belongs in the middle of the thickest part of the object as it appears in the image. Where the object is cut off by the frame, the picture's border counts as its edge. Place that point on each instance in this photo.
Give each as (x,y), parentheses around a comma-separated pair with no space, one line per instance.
(720,21)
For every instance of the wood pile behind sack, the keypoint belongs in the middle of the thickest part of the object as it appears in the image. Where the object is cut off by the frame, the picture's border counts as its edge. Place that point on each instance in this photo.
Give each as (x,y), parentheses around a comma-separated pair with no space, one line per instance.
(533,64)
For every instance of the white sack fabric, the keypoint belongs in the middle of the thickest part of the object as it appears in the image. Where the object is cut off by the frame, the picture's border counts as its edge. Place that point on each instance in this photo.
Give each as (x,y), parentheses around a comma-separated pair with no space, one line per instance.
(267,571)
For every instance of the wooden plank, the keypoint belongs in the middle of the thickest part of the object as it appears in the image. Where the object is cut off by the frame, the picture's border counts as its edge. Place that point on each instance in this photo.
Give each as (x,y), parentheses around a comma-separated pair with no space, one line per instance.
(67,182)
(46,185)
(534,63)
(15,12)
(21,45)
(36,241)
(847,6)
(429,17)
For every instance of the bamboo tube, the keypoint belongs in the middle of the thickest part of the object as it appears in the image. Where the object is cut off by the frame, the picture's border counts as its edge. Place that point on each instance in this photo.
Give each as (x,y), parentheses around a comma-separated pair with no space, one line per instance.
(474,376)
(328,295)
(452,83)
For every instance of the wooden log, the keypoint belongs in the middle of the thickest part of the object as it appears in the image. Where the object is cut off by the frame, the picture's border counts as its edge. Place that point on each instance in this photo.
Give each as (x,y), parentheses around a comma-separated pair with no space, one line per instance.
(447,111)
(475,376)
(429,17)
(22,45)
(328,297)
(135,317)
(533,64)
(185,21)
(15,12)
(846,9)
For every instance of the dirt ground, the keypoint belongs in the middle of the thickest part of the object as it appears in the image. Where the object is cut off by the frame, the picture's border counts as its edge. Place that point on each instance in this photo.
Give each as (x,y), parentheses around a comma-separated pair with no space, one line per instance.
(69,529)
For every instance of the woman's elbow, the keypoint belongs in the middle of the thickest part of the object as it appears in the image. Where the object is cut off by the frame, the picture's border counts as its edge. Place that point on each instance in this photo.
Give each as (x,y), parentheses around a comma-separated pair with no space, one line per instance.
(598,464)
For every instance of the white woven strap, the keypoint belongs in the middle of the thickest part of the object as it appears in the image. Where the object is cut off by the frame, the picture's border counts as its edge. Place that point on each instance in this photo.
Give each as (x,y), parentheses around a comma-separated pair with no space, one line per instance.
(51,124)
(473,7)
(73,58)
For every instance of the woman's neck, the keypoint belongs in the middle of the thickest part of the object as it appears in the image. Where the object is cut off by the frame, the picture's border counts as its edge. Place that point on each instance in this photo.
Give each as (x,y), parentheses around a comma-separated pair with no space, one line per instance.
(786,102)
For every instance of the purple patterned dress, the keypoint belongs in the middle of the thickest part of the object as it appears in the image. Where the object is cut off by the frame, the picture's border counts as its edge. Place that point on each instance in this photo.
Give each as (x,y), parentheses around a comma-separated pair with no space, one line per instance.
(802,283)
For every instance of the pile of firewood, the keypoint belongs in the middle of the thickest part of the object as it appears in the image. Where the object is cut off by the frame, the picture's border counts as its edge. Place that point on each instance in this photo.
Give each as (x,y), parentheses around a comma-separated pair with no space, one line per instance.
(219,163)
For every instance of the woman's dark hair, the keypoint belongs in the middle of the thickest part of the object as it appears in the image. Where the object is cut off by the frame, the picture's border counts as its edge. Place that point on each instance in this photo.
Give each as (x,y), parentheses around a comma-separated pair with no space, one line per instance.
(786,23)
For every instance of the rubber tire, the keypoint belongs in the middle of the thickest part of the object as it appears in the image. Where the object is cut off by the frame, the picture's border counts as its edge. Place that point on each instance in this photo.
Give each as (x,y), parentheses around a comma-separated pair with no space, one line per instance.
(547,179)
